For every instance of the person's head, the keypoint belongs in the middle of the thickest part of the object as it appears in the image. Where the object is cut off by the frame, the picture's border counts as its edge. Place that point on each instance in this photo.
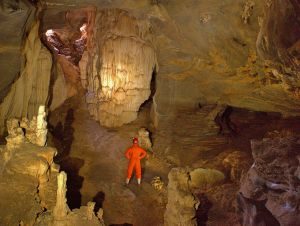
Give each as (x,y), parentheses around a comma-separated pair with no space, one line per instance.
(135,141)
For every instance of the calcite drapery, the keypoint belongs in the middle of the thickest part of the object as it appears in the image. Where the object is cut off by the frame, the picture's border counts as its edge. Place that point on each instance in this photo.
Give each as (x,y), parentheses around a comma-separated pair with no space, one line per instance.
(119,72)
(32,87)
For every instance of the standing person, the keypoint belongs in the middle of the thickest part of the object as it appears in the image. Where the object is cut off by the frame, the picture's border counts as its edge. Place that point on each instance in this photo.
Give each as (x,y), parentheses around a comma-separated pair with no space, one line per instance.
(135,153)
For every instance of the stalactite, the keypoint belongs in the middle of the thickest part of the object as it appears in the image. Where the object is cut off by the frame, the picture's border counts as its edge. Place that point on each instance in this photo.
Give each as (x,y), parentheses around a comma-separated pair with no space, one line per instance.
(118,75)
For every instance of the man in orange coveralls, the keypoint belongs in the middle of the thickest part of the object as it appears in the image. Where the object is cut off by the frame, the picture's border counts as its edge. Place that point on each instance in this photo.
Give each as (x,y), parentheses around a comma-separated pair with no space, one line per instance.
(135,153)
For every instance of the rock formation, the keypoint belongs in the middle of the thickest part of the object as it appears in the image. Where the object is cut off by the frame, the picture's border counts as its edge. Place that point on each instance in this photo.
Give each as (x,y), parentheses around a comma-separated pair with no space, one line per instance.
(28,179)
(31,162)
(60,88)
(41,131)
(181,207)
(236,163)
(191,66)
(271,186)
(247,12)
(31,89)
(36,129)
(66,82)
(121,62)
(210,53)
(205,178)
(61,208)
(15,134)
(144,139)
(63,216)
(67,41)
(17,17)
(157,183)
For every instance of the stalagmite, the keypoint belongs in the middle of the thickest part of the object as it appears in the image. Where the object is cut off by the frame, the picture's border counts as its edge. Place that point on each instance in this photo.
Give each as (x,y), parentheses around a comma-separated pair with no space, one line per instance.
(41,132)
(36,129)
(144,139)
(15,134)
(90,210)
(181,207)
(61,208)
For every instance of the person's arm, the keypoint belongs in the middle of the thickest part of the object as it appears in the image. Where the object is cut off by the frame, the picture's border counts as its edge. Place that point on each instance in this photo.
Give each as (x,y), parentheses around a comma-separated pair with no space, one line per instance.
(143,153)
(128,153)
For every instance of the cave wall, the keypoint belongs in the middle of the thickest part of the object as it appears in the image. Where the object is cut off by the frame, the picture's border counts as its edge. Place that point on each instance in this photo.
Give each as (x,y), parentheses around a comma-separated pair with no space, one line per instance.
(239,53)
(211,52)
(216,56)
(15,16)
(31,89)
(269,193)
(65,34)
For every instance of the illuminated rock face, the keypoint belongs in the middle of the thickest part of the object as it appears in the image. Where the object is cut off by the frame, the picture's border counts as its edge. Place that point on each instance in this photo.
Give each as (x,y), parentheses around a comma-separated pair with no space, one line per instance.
(122,59)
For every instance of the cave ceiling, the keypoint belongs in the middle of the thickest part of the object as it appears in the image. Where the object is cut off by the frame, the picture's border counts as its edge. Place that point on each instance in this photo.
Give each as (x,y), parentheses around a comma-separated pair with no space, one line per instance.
(239,53)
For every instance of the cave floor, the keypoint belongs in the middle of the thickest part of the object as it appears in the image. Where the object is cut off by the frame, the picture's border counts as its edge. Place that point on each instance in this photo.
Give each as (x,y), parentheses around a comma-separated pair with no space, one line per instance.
(93,157)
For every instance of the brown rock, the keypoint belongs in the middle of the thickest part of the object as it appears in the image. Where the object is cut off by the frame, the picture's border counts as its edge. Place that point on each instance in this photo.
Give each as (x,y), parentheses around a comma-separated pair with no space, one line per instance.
(271,179)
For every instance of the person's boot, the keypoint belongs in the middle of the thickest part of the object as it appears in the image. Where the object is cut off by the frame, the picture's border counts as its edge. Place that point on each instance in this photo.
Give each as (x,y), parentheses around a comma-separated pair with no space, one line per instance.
(139,181)
(127,181)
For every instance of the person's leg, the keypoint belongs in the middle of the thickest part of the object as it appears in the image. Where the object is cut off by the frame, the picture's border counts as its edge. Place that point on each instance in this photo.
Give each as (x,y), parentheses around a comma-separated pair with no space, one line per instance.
(138,171)
(129,171)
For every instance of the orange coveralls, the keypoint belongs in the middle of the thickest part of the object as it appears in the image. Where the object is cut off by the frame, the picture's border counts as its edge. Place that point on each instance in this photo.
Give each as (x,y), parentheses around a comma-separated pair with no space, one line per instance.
(135,154)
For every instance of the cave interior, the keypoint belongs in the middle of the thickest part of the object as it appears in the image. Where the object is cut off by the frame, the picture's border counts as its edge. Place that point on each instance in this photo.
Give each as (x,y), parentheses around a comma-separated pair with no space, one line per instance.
(211,90)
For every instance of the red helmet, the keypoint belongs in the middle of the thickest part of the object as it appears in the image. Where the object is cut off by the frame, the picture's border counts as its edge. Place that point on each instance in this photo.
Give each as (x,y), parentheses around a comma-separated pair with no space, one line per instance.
(135,140)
